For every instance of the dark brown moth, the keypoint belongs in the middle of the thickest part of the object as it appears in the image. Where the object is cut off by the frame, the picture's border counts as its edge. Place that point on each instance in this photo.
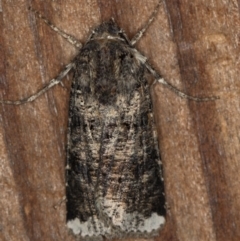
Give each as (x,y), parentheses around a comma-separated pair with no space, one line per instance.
(115,184)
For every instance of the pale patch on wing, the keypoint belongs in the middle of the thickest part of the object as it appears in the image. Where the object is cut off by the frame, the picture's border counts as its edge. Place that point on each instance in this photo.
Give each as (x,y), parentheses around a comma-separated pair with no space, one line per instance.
(89,228)
(125,222)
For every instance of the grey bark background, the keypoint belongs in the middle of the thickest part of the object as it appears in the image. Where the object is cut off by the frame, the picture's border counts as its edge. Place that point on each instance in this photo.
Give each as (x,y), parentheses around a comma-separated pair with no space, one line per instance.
(193,44)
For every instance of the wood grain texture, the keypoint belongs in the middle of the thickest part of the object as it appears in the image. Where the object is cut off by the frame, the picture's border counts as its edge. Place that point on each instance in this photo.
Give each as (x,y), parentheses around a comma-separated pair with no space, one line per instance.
(194,45)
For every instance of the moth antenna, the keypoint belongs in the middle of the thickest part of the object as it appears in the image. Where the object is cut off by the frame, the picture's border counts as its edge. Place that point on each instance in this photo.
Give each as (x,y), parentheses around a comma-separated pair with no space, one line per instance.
(72,40)
(138,36)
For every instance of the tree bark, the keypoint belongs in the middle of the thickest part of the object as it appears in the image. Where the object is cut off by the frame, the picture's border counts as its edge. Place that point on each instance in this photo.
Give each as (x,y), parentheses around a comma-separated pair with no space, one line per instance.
(193,44)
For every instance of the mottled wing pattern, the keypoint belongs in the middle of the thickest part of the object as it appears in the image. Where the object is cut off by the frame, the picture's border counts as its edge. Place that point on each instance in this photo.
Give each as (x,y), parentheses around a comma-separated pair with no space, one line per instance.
(114,177)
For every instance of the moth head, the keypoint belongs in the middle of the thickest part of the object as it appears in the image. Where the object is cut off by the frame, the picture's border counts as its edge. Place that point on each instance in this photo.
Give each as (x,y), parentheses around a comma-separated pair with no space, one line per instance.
(109,30)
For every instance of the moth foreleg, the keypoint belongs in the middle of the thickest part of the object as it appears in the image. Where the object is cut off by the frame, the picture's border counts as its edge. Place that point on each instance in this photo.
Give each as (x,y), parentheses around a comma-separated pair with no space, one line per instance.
(53,82)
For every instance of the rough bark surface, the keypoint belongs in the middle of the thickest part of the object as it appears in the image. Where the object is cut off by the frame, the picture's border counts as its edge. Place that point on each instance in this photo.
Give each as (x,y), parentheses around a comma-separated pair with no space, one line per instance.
(195,46)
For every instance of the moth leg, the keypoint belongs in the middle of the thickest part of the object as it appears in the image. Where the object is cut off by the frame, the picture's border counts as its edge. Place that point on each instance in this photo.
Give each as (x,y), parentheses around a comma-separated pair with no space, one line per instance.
(43,90)
(161,80)
(138,36)
(68,37)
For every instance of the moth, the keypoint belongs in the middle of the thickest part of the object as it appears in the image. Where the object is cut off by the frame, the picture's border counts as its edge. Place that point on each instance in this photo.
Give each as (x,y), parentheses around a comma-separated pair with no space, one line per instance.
(114,173)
